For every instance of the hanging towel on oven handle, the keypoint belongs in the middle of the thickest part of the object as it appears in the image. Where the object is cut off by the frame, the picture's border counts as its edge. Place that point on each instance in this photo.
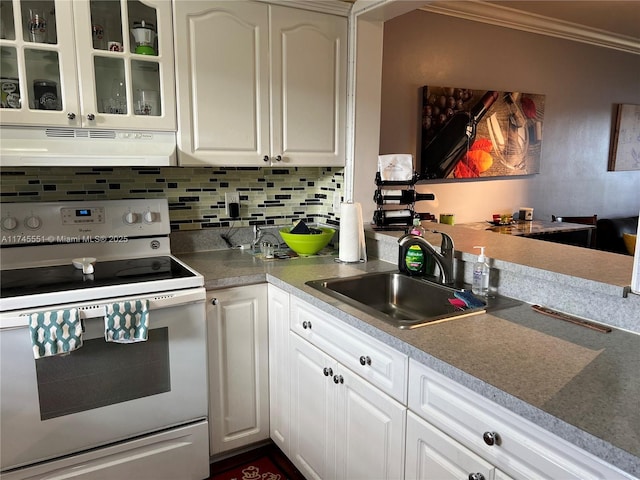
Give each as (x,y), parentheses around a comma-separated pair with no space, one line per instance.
(126,322)
(55,332)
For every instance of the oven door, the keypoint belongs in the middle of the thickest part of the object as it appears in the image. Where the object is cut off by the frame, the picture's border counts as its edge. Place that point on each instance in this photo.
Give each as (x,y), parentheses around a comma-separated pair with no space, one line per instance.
(103,392)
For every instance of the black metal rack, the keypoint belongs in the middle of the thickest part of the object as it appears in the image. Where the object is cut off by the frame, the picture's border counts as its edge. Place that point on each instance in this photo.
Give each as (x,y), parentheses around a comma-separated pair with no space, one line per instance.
(397,219)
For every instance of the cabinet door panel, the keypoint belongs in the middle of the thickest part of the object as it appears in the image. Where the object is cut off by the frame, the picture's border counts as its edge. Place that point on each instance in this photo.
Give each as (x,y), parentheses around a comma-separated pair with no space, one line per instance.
(312,410)
(279,367)
(223,80)
(432,455)
(151,73)
(31,62)
(238,367)
(309,52)
(369,431)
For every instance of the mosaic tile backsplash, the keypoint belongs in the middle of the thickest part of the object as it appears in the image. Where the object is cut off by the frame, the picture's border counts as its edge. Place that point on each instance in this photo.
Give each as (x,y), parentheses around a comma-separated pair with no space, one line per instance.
(195,194)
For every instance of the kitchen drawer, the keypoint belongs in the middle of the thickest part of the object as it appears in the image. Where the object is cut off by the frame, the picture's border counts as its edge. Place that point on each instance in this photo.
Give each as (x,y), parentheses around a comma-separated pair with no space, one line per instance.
(523,450)
(378,363)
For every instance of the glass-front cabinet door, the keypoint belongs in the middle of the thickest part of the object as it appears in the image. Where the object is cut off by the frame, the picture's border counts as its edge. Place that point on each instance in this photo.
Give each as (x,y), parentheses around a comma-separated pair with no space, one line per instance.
(118,74)
(37,62)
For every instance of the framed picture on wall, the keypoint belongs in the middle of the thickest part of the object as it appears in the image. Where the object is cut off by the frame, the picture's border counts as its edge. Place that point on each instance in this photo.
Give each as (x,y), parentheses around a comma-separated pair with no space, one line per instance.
(469,133)
(625,143)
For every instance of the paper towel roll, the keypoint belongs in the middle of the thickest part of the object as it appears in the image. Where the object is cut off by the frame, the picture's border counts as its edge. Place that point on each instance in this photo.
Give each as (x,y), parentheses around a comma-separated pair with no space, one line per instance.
(352,245)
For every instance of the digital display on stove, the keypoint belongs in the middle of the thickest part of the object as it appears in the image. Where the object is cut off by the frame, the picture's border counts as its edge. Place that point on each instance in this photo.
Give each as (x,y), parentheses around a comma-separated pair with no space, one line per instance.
(75,216)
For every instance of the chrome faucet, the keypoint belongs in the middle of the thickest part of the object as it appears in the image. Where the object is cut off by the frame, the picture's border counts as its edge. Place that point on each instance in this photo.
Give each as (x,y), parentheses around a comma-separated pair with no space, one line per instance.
(444,258)
(259,235)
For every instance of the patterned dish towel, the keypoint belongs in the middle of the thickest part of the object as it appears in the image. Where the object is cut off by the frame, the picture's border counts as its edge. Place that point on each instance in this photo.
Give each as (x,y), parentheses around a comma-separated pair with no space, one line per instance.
(127,322)
(55,332)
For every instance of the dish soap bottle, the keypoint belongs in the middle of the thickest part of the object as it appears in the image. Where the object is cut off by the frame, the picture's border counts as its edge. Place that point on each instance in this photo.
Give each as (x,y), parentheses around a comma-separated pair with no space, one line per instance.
(414,258)
(481,271)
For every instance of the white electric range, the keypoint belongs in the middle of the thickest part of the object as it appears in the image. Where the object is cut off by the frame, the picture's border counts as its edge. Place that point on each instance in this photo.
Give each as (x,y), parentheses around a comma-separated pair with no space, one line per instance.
(104,409)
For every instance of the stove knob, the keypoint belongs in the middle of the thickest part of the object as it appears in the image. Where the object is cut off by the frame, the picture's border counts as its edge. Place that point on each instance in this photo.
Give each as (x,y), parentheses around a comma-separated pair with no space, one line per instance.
(33,222)
(149,217)
(9,223)
(130,218)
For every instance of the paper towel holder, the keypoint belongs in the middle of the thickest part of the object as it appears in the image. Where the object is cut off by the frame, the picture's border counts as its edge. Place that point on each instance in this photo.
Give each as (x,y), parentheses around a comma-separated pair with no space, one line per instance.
(352,246)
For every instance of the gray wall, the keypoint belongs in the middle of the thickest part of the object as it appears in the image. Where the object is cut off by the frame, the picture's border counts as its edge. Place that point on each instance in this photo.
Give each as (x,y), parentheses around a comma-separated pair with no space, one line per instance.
(582,83)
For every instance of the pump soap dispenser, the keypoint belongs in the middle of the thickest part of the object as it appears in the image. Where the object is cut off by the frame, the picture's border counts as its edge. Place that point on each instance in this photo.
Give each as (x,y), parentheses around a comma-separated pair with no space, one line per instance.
(481,271)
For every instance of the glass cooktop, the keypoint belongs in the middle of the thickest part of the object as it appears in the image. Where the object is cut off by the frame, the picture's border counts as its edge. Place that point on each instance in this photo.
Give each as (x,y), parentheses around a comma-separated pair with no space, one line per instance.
(60,278)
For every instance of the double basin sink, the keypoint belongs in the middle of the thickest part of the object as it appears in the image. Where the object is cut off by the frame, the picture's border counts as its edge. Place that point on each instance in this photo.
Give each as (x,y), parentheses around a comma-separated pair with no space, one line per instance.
(403,301)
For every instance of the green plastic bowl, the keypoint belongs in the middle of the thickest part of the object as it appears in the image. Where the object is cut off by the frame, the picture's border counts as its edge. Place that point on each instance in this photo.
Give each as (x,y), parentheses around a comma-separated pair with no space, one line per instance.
(307,243)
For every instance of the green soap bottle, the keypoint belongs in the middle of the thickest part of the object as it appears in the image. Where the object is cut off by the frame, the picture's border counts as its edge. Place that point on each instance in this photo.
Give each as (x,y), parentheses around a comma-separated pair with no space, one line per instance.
(414,258)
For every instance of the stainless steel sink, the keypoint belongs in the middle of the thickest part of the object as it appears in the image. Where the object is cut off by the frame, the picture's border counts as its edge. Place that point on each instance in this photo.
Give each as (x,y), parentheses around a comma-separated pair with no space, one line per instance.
(400,300)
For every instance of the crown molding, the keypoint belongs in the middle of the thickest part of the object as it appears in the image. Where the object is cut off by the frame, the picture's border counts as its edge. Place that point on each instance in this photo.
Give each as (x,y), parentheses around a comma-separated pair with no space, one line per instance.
(480,11)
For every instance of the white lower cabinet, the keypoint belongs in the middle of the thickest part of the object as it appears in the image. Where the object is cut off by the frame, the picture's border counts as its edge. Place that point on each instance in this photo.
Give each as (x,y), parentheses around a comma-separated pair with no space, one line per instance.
(516,446)
(378,363)
(237,320)
(341,426)
(313,400)
(339,401)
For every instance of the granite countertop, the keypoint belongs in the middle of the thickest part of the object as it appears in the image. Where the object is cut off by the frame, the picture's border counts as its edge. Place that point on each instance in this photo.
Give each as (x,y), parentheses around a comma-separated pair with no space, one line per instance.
(579,384)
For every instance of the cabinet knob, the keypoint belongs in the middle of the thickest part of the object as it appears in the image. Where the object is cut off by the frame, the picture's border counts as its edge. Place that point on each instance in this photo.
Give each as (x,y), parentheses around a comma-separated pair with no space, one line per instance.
(365,360)
(278,158)
(338,379)
(71,116)
(476,476)
(214,301)
(265,159)
(91,117)
(491,438)
(306,325)
(327,371)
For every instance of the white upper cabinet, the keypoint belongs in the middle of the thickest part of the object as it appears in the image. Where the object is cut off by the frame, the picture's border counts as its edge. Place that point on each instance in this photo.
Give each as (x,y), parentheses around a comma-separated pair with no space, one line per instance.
(97,64)
(260,85)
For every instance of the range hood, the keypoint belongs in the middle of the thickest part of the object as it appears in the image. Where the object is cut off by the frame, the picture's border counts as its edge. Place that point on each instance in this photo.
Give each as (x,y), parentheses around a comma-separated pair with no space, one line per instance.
(65,146)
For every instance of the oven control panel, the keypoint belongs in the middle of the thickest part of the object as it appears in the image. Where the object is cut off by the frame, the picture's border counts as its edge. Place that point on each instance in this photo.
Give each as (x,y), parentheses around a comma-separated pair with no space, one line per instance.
(82,221)
(75,216)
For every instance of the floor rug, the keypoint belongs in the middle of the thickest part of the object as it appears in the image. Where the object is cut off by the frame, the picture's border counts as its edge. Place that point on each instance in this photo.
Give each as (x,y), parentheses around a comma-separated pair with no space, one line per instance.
(261,468)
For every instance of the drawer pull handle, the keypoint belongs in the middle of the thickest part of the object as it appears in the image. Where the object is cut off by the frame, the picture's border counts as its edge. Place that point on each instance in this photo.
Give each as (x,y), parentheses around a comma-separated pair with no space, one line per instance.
(91,117)
(71,116)
(214,301)
(327,371)
(365,360)
(338,379)
(265,159)
(306,325)
(491,438)
(476,476)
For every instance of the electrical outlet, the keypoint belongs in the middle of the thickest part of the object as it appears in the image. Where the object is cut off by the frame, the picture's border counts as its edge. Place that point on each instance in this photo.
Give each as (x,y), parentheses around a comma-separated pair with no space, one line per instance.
(231,197)
(336,202)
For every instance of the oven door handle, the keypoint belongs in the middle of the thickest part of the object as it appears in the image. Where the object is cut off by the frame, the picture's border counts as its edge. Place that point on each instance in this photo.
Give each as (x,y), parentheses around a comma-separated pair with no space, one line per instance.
(97,310)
